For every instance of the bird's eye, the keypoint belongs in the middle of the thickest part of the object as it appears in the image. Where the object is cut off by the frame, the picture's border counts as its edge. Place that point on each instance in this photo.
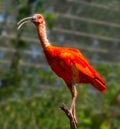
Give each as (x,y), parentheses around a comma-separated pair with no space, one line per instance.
(39,17)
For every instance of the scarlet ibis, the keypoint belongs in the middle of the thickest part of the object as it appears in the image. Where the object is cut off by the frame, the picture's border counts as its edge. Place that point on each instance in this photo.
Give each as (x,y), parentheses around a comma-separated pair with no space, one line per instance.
(68,63)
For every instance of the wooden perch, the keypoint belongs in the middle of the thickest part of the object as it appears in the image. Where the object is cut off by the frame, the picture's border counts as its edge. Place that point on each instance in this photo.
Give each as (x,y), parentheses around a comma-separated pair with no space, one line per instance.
(73,124)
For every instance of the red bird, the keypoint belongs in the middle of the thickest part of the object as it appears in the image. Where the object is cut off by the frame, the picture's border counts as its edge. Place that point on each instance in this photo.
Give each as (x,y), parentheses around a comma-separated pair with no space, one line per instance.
(67,63)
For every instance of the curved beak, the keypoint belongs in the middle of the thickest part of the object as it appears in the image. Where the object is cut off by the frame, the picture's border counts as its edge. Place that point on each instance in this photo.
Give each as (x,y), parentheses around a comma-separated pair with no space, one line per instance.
(25,20)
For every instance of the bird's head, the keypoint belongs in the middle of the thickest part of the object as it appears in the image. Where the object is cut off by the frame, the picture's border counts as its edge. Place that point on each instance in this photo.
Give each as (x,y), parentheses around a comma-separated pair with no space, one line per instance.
(37,19)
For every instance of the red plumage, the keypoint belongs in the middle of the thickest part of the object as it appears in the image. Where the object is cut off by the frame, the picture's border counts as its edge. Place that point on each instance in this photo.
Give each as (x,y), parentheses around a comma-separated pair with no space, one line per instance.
(62,59)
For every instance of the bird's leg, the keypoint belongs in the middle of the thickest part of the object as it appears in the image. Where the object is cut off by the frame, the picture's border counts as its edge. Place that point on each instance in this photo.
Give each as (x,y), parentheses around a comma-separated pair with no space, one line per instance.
(73,105)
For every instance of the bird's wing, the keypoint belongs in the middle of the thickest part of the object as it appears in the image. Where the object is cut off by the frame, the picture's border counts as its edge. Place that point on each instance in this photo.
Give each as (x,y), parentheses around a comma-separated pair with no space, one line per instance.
(75,58)
(81,63)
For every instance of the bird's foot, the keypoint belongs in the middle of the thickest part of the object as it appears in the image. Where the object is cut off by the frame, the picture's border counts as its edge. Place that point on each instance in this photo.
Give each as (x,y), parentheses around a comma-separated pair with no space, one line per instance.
(74,118)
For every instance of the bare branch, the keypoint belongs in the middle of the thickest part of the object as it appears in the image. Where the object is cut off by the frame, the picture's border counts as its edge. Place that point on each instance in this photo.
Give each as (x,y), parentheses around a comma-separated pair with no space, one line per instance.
(73,124)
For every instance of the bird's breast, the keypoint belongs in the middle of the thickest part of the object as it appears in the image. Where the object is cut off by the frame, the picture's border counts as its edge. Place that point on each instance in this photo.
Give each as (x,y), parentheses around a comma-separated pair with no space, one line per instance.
(61,68)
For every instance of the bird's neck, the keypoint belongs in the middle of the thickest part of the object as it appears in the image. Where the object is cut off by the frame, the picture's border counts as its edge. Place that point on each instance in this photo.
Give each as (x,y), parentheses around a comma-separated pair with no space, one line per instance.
(43,36)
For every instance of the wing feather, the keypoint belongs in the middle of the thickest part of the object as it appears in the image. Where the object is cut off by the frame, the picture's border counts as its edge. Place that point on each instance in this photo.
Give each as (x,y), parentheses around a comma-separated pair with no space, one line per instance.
(81,63)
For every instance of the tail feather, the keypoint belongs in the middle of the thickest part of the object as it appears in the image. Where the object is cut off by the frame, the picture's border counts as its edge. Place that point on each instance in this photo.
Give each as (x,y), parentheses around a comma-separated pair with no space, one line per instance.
(100,84)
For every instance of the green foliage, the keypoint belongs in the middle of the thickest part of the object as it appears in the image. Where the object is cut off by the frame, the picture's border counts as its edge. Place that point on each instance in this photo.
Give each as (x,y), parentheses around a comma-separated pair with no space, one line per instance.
(50,18)
(33,106)
(34,112)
